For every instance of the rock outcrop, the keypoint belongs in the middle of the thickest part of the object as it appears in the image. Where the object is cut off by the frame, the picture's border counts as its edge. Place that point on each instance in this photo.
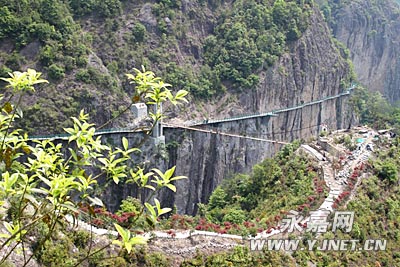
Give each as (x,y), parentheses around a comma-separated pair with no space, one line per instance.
(371,31)
(311,70)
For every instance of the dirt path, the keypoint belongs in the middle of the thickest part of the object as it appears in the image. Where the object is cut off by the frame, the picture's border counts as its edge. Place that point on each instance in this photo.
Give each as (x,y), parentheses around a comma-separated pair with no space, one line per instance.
(184,244)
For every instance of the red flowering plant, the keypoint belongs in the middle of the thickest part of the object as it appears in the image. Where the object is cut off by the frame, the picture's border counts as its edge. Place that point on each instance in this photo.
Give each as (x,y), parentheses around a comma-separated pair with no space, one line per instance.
(177,221)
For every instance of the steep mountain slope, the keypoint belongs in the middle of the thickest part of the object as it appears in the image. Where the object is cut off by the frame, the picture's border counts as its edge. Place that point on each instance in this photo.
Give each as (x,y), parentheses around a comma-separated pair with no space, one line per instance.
(371,30)
(312,69)
(227,54)
(234,57)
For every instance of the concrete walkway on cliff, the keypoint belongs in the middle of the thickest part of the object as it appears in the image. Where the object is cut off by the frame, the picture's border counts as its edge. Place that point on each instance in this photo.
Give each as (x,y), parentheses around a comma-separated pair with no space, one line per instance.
(336,187)
(190,124)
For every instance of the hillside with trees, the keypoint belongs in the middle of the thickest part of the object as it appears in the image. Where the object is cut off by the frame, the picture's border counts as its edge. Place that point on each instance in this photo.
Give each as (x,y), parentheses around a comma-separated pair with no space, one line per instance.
(77,66)
(84,47)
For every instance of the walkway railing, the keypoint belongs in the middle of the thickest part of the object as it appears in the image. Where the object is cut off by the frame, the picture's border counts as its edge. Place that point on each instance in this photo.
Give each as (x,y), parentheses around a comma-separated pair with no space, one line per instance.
(274,112)
(64,136)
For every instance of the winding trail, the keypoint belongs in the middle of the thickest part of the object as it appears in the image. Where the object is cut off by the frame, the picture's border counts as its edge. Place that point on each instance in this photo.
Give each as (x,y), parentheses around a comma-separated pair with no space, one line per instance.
(336,187)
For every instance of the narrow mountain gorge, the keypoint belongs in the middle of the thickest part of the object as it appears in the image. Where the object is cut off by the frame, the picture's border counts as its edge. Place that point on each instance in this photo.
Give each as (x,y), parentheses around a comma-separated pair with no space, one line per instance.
(311,70)
(314,67)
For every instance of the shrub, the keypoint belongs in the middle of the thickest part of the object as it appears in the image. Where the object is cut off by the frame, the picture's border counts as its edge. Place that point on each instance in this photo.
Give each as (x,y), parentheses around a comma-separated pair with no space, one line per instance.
(235,215)
(69,63)
(48,55)
(83,76)
(388,171)
(48,186)
(80,238)
(217,199)
(139,31)
(56,72)
(8,22)
(4,70)
(56,253)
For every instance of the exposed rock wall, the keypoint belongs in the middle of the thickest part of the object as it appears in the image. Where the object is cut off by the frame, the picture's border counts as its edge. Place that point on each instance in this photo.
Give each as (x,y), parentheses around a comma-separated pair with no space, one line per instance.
(311,70)
(371,31)
(207,158)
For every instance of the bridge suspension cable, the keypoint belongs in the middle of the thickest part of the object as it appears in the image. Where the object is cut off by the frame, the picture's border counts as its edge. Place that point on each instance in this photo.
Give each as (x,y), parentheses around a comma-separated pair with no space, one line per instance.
(225,134)
(207,122)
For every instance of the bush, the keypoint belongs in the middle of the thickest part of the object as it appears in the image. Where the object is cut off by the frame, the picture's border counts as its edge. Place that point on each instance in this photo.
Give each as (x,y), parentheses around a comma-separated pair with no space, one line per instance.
(68,183)
(82,61)
(235,215)
(43,31)
(130,204)
(83,76)
(56,72)
(8,22)
(139,31)
(388,171)
(108,8)
(253,35)
(80,238)
(217,199)
(48,54)
(56,253)
(70,63)
(4,70)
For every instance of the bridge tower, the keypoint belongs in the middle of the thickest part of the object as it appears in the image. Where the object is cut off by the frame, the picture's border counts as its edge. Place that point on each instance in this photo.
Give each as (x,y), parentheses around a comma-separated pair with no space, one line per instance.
(157,134)
(140,112)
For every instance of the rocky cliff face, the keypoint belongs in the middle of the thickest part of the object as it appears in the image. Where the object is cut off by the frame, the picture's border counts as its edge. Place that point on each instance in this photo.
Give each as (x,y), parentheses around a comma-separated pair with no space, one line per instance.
(313,69)
(371,31)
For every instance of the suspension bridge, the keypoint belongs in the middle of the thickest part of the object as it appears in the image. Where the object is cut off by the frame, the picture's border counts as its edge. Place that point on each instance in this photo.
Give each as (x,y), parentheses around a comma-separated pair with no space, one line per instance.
(193,126)
(276,111)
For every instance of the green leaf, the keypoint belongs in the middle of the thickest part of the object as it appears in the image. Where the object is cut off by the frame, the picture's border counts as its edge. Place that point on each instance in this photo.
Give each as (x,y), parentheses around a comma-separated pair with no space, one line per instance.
(31,198)
(96,201)
(128,247)
(70,207)
(115,179)
(171,186)
(178,178)
(159,173)
(169,173)
(7,107)
(5,236)
(150,187)
(158,205)
(125,143)
(125,234)
(138,240)
(163,211)
(127,241)
(9,227)
(151,209)
(118,243)
(181,94)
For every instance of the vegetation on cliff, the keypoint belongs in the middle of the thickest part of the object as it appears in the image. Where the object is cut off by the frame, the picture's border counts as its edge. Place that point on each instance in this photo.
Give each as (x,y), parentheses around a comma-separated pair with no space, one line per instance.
(205,47)
(373,109)
(288,181)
